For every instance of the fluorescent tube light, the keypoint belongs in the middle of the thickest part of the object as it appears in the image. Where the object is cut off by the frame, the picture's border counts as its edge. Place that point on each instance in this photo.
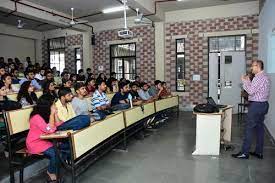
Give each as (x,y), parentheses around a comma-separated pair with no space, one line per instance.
(114,9)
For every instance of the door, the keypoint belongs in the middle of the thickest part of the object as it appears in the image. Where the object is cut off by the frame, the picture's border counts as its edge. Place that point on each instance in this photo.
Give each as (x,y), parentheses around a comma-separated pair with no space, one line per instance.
(226,73)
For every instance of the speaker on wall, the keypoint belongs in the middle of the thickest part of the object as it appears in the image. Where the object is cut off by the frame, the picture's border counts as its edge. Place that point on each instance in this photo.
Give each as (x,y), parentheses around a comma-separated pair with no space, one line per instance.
(93,39)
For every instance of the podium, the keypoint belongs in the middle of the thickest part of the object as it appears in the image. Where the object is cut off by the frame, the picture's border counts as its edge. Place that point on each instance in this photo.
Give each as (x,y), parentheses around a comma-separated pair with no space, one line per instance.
(211,129)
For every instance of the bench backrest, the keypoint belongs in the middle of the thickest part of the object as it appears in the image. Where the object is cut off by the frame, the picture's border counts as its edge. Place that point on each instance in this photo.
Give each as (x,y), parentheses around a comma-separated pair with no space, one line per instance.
(13,96)
(166,103)
(18,120)
(84,140)
(136,114)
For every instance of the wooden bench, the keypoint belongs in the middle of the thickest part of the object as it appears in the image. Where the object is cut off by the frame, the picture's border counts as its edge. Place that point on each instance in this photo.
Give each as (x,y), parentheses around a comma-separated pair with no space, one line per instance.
(17,126)
(13,96)
(89,143)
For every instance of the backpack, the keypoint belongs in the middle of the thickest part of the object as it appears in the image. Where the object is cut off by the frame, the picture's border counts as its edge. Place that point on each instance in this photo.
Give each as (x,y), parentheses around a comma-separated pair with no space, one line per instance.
(206,108)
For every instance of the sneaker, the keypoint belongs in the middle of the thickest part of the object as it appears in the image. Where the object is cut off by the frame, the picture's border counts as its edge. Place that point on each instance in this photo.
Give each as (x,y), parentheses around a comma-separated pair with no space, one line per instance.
(259,156)
(240,155)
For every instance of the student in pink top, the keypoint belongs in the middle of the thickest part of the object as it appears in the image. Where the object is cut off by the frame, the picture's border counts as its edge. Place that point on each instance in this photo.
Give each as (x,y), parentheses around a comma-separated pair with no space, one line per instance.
(44,120)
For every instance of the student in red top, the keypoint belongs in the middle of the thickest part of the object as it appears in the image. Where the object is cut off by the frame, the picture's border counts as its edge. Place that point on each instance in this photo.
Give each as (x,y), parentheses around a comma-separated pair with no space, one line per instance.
(163,92)
(44,120)
(90,86)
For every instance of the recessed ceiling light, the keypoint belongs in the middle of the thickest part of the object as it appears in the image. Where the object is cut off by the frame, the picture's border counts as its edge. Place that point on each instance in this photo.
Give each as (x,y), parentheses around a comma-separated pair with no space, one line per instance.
(114,9)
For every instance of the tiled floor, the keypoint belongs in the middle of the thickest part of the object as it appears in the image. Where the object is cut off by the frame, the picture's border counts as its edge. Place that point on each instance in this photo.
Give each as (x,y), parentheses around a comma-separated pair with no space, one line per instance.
(165,157)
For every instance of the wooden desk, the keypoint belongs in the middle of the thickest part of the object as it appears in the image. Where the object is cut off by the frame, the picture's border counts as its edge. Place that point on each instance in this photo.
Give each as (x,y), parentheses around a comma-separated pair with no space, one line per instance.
(57,135)
(208,131)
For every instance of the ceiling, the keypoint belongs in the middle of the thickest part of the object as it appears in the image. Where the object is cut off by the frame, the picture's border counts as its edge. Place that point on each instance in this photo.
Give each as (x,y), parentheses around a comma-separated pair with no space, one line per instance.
(190,4)
(84,7)
(91,7)
(29,23)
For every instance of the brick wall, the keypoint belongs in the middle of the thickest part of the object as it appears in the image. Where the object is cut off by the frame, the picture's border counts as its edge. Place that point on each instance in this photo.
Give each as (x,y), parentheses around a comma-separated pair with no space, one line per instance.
(196,50)
(71,42)
(145,51)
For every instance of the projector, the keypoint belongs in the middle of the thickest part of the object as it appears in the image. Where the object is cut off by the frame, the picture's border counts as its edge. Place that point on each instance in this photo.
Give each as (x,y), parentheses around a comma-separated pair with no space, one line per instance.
(125,34)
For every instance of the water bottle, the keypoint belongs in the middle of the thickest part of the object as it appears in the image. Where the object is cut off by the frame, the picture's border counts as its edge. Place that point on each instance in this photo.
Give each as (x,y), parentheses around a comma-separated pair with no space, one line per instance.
(130,98)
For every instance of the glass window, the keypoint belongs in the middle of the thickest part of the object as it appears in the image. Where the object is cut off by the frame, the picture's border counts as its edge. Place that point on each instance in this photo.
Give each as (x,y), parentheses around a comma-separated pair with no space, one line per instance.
(57,59)
(240,43)
(214,44)
(180,65)
(77,59)
(227,43)
(56,49)
(123,60)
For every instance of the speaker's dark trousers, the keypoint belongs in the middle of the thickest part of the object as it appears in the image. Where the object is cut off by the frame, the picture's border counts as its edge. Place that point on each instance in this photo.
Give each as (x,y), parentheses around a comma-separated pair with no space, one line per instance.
(255,123)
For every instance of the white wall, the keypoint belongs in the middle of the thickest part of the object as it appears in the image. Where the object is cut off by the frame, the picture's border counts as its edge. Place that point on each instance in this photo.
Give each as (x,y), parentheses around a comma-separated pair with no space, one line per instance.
(20,43)
(12,47)
(266,25)
(237,9)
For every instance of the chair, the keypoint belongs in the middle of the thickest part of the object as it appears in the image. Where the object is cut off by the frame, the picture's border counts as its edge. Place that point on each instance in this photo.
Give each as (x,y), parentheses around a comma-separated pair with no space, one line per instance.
(242,106)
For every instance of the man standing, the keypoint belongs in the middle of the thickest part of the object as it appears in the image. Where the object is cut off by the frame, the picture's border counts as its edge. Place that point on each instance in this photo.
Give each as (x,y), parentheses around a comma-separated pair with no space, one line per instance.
(258,93)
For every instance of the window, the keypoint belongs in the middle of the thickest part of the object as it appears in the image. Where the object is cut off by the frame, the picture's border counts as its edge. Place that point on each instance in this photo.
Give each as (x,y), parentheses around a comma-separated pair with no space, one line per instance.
(227,43)
(180,65)
(77,59)
(123,60)
(56,50)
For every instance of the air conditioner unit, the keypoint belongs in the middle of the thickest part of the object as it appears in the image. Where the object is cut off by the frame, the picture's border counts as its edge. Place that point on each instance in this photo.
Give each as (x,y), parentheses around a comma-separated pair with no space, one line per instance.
(125,34)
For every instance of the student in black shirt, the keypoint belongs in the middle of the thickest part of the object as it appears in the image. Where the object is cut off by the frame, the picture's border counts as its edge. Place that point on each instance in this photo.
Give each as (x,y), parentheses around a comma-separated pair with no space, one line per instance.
(120,100)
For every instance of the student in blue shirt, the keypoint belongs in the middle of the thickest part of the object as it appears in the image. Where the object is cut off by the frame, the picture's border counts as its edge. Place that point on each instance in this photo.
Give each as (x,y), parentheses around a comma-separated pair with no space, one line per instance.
(29,74)
(100,102)
(120,100)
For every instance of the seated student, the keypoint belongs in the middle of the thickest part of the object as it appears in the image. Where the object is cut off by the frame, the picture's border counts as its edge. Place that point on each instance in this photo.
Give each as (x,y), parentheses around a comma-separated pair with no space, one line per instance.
(144,93)
(41,75)
(48,78)
(2,69)
(80,104)
(153,90)
(15,75)
(66,83)
(73,78)
(163,92)
(6,104)
(110,81)
(26,95)
(134,90)
(81,75)
(49,89)
(6,79)
(66,112)
(100,101)
(120,100)
(90,86)
(29,76)
(137,80)
(88,73)
(44,120)
(100,77)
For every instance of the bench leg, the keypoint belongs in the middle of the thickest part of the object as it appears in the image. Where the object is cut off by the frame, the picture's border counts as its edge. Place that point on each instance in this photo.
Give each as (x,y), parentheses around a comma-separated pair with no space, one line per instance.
(73,175)
(12,179)
(21,175)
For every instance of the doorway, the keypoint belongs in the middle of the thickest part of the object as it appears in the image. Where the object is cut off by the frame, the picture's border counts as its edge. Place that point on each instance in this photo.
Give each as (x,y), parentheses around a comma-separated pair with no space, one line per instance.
(227,63)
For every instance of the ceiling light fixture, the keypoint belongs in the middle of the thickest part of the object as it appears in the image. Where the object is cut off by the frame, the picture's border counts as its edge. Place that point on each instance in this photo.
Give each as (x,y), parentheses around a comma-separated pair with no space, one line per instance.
(114,9)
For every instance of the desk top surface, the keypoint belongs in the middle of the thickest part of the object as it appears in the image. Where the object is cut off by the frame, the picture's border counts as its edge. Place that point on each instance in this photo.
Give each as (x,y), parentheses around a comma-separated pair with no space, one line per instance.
(222,110)
(56,135)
